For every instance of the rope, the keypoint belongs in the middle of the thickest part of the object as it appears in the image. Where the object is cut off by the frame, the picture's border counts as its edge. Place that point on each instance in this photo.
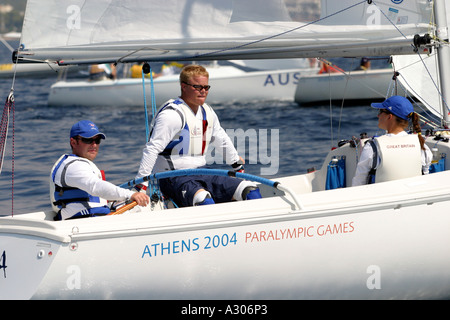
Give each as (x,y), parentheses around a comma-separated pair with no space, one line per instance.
(145,106)
(9,108)
(4,124)
(152,98)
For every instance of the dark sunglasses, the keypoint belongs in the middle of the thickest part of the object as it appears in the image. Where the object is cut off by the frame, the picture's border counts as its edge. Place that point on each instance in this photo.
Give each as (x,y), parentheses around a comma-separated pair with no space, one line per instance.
(90,140)
(384,111)
(198,87)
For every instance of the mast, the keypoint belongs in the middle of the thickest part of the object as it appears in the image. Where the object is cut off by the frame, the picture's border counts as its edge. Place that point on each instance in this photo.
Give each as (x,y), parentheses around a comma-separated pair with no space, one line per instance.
(443,53)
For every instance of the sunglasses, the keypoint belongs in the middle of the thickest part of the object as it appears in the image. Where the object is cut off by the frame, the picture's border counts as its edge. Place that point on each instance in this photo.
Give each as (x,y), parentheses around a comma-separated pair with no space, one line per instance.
(198,87)
(90,140)
(383,111)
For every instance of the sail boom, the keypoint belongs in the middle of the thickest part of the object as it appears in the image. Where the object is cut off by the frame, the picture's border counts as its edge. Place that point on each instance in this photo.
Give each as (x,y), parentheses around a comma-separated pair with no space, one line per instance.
(221,50)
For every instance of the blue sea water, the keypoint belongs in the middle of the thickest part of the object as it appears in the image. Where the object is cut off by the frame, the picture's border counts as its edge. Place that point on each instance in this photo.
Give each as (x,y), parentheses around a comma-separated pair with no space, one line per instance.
(41,135)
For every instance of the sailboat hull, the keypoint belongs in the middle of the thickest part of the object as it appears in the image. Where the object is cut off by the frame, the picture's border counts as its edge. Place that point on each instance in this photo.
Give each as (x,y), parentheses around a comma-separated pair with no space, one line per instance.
(385,240)
(357,86)
(228,84)
(367,242)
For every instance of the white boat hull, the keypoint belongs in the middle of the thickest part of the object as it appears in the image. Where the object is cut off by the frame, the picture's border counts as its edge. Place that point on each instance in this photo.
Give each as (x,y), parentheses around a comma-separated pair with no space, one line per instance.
(387,240)
(228,84)
(357,85)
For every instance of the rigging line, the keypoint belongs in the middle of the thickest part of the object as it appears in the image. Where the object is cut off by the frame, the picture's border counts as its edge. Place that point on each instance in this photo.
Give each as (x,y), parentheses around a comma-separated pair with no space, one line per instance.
(153,98)
(427,121)
(9,108)
(5,119)
(331,111)
(7,45)
(145,106)
(343,100)
(4,125)
(4,131)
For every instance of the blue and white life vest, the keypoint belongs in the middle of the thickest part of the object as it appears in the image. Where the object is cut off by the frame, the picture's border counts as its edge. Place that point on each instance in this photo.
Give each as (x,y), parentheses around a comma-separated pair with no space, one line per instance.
(70,202)
(194,136)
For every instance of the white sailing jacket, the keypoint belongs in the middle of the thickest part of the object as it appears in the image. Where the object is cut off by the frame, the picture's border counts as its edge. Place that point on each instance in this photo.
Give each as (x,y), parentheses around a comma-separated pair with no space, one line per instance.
(179,139)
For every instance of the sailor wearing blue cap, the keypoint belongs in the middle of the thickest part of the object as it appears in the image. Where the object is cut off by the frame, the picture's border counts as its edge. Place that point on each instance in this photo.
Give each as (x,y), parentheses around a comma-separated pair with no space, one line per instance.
(77,186)
(396,154)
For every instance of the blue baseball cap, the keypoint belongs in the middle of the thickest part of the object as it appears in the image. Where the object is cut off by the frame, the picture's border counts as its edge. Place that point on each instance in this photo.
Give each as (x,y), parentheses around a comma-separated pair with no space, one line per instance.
(397,105)
(85,129)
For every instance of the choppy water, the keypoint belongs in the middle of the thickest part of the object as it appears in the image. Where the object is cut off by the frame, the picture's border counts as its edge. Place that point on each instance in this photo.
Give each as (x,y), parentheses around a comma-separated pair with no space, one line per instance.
(41,135)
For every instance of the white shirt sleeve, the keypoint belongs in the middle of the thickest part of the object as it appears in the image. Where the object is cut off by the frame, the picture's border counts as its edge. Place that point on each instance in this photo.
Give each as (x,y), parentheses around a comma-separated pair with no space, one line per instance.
(427,156)
(167,124)
(81,174)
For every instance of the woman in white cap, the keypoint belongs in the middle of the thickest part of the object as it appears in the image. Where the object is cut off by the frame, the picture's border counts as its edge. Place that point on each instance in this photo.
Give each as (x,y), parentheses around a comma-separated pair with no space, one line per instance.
(77,186)
(396,154)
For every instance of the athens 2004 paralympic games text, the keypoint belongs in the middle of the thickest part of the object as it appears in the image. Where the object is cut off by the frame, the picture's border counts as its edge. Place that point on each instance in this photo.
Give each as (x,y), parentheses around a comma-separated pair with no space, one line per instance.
(225,240)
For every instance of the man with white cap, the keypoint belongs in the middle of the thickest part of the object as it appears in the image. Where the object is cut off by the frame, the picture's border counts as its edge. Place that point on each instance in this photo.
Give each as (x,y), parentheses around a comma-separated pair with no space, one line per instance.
(77,186)
(396,154)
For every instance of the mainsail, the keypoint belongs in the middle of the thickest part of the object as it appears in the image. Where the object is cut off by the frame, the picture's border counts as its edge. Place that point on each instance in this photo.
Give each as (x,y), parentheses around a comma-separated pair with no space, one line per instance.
(151,30)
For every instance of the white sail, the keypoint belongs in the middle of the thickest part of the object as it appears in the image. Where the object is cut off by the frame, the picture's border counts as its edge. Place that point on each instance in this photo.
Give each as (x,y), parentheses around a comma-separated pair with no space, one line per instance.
(392,11)
(419,75)
(133,30)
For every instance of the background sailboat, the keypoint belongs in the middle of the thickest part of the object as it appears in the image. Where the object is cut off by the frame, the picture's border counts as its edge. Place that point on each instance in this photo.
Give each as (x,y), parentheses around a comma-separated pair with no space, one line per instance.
(227,82)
